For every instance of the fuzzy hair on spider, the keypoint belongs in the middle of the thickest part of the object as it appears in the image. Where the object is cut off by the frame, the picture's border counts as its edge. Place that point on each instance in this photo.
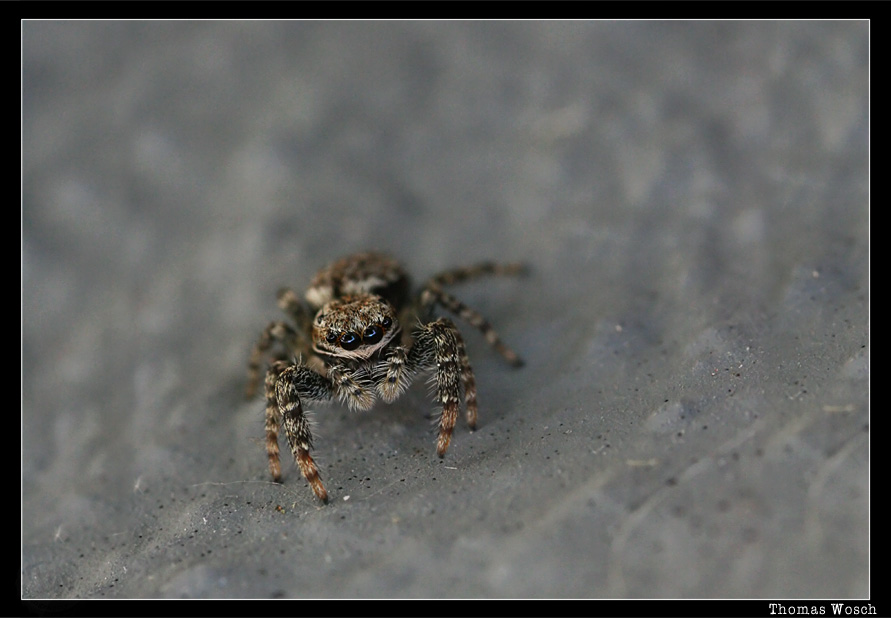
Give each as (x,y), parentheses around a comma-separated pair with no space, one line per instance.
(349,333)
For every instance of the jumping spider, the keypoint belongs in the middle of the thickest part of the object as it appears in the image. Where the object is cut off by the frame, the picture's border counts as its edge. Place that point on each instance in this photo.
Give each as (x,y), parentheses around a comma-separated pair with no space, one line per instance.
(350,346)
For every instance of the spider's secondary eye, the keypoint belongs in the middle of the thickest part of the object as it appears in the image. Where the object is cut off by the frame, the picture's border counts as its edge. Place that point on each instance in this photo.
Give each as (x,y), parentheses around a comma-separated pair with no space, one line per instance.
(331,337)
(387,323)
(350,341)
(372,334)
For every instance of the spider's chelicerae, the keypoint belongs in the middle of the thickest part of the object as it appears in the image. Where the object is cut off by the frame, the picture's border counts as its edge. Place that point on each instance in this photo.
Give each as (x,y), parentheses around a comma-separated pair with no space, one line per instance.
(350,345)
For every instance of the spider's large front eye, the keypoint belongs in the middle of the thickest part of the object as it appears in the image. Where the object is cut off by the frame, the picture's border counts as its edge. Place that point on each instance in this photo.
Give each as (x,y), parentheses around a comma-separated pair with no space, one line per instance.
(372,334)
(350,341)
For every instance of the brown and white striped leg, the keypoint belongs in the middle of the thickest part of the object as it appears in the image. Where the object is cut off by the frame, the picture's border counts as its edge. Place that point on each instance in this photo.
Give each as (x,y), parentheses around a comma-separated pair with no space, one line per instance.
(286,386)
(439,345)
(434,294)
(468,381)
(273,420)
(275,332)
(290,303)
(459,275)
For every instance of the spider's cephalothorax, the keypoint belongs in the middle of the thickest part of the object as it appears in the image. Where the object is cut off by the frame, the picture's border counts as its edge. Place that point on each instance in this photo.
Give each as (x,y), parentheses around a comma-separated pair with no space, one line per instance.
(353,348)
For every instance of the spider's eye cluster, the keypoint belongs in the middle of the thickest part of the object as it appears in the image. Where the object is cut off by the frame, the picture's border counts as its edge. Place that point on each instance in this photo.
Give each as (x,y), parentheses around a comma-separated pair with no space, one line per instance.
(350,340)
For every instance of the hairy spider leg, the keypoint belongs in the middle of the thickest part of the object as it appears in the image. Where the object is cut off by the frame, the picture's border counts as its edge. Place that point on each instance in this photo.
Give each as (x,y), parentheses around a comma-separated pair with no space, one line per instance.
(290,303)
(287,386)
(276,332)
(438,345)
(433,294)
(293,340)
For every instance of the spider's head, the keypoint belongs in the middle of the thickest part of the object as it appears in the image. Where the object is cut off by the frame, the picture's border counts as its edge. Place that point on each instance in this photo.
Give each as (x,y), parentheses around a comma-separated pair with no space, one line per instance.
(354,327)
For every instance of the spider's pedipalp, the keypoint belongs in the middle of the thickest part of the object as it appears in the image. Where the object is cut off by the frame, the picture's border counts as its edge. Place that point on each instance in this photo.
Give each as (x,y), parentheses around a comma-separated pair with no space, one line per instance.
(394,375)
(351,387)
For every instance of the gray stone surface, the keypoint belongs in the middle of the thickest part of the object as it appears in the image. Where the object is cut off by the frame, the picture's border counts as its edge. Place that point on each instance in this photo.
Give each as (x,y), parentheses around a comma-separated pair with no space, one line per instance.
(693,417)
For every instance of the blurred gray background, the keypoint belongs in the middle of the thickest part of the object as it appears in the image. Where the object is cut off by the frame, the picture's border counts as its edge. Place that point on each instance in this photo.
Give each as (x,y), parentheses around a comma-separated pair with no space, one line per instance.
(693,417)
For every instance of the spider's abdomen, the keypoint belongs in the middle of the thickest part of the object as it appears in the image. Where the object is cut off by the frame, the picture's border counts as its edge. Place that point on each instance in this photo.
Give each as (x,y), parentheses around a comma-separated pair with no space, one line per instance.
(362,273)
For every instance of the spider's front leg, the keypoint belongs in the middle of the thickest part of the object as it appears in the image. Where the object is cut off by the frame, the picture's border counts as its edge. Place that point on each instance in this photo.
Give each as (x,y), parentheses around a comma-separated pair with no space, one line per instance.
(439,345)
(287,386)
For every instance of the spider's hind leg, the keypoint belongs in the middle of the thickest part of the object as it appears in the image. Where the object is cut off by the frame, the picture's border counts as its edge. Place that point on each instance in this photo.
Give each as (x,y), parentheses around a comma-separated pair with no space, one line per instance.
(433,294)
